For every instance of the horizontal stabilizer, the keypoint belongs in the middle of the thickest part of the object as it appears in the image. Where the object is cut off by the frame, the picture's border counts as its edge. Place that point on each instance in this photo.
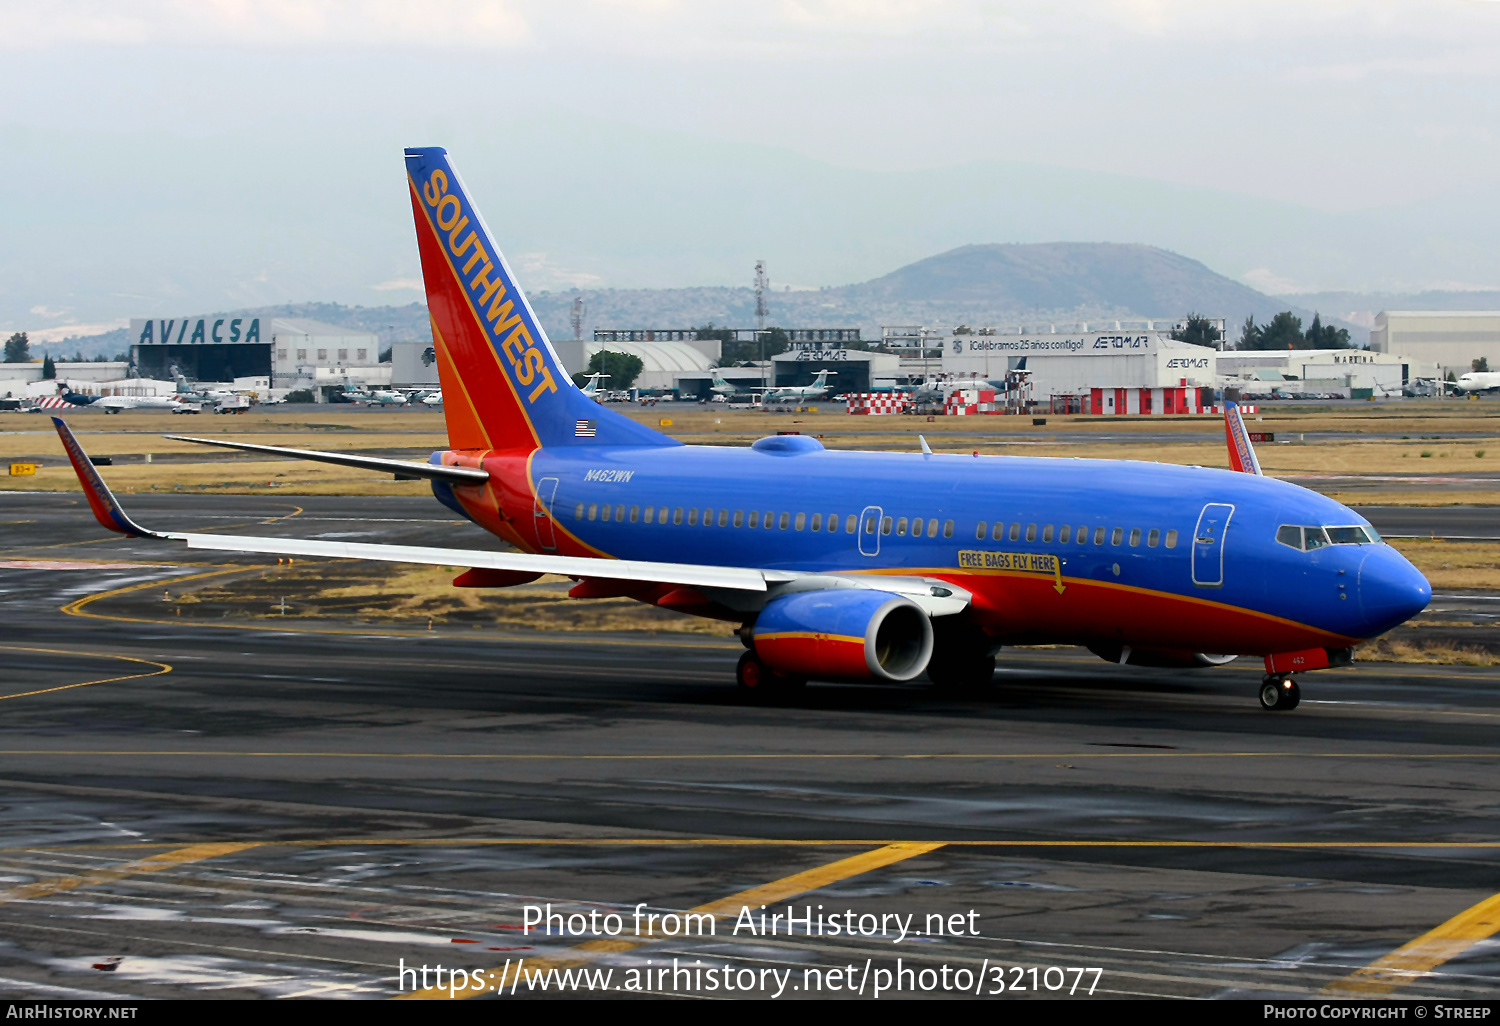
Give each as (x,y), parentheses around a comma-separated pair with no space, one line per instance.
(405,468)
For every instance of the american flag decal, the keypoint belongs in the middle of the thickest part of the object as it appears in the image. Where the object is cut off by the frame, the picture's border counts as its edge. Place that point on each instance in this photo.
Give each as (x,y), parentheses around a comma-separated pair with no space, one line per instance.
(586,429)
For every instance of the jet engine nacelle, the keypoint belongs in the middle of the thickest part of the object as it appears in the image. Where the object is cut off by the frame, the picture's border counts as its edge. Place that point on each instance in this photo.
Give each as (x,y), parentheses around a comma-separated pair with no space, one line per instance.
(844,633)
(1165,657)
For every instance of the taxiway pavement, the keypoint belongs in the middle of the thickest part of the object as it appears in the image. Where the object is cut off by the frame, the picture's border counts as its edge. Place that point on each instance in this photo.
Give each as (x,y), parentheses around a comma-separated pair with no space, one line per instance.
(268,809)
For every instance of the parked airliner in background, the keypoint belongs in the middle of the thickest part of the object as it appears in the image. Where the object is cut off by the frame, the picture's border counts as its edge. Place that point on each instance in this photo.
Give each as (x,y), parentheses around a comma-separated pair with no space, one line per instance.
(724,388)
(1478,381)
(592,388)
(849,565)
(817,390)
(116,403)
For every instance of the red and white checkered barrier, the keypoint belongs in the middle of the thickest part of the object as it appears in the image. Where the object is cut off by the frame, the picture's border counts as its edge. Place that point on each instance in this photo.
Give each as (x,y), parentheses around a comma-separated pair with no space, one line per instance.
(876,403)
(1155,401)
(965,402)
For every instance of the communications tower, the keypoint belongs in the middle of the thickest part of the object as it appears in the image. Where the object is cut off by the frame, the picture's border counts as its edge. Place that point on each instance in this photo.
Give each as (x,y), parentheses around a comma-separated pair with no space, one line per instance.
(762,286)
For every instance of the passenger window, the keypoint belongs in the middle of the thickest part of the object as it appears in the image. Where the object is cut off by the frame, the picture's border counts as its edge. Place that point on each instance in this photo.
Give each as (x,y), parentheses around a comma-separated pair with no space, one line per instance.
(885,525)
(999,530)
(1098,536)
(916,527)
(901,528)
(619,514)
(693,517)
(677,515)
(723,518)
(801,522)
(947,529)
(1135,537)
(979,532)
(785,519)
(1153,539)
(1083,534)
(1031,532)
(1171,539)
(739,518)
(833,522)
(604,514)
(593,511)
(771,520)
(1015,532)
(1289,535)
(1047,533)
(870,525)
(635,514)
(817,522)
(661,516)
(649,511)
(755,518)
(1116,536)
(851,524)
(1065,535)
(578,512)
(1313,538)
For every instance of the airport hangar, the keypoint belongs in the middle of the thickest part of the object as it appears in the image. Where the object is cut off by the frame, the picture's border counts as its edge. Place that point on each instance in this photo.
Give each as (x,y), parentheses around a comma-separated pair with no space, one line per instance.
(288,353)
(1451,339)
(1059,359)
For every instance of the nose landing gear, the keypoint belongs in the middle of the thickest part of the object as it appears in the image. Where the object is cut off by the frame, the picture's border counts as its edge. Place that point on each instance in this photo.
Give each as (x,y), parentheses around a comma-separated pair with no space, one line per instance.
(1279,693)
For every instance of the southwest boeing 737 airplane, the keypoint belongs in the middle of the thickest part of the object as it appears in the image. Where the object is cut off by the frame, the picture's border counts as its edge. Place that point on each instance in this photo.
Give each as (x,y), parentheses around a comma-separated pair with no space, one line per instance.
(849,565)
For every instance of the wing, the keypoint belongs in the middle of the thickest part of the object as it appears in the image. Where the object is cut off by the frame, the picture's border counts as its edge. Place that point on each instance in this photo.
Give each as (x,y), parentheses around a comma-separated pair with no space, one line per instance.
(401,468)
(745,587)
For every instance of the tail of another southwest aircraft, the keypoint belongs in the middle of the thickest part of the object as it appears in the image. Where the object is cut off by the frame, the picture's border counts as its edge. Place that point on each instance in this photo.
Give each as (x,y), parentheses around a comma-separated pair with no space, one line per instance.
(503,385)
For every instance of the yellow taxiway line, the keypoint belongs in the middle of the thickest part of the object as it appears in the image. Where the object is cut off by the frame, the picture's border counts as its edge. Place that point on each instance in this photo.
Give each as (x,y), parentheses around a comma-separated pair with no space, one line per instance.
(1413,960)
(153,864)
(161,669)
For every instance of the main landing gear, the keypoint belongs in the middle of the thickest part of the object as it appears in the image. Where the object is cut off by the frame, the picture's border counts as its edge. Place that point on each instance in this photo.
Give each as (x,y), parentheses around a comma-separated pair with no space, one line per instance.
(1279,693)
(758,679)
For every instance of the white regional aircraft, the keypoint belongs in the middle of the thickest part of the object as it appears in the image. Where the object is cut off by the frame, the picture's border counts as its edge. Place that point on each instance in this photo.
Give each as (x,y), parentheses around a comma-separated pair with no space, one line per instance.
(817,390)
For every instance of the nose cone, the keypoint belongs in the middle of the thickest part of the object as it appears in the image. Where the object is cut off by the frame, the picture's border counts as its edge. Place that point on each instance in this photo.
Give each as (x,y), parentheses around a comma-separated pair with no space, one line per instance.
(1391,590)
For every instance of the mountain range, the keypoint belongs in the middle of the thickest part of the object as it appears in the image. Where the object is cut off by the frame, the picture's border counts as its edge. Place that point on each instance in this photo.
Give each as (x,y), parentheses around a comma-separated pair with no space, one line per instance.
(1004,284)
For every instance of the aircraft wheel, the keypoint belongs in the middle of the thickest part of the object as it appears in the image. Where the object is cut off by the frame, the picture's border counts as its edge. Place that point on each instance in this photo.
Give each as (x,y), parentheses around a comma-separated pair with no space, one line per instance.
(759,679)
(751,673)
(1280,694)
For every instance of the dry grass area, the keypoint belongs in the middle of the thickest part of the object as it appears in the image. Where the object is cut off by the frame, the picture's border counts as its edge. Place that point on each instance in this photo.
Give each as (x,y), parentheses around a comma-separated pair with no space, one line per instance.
(415,595)
(1428,451)
(1454,564)
(1402,650)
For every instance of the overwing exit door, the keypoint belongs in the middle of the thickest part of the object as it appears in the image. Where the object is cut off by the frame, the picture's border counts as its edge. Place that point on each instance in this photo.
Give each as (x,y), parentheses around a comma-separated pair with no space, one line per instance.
(869,531)
(1208,544)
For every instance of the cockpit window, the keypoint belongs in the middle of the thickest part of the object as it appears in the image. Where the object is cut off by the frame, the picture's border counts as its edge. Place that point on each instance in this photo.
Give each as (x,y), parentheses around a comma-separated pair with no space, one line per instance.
(1309,538)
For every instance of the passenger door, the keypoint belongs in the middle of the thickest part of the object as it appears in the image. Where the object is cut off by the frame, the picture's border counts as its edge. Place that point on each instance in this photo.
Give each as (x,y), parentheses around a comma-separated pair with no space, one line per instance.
(869,530)
(541,513)
(1208,544)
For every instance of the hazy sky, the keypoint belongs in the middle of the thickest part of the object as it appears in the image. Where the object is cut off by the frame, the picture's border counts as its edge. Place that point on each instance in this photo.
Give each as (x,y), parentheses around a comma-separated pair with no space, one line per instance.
(1333,106)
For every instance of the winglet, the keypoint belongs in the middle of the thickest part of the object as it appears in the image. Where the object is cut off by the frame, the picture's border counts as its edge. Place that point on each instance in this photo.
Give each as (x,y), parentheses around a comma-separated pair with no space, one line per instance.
(1241,452)
(926,449)
(101,500)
